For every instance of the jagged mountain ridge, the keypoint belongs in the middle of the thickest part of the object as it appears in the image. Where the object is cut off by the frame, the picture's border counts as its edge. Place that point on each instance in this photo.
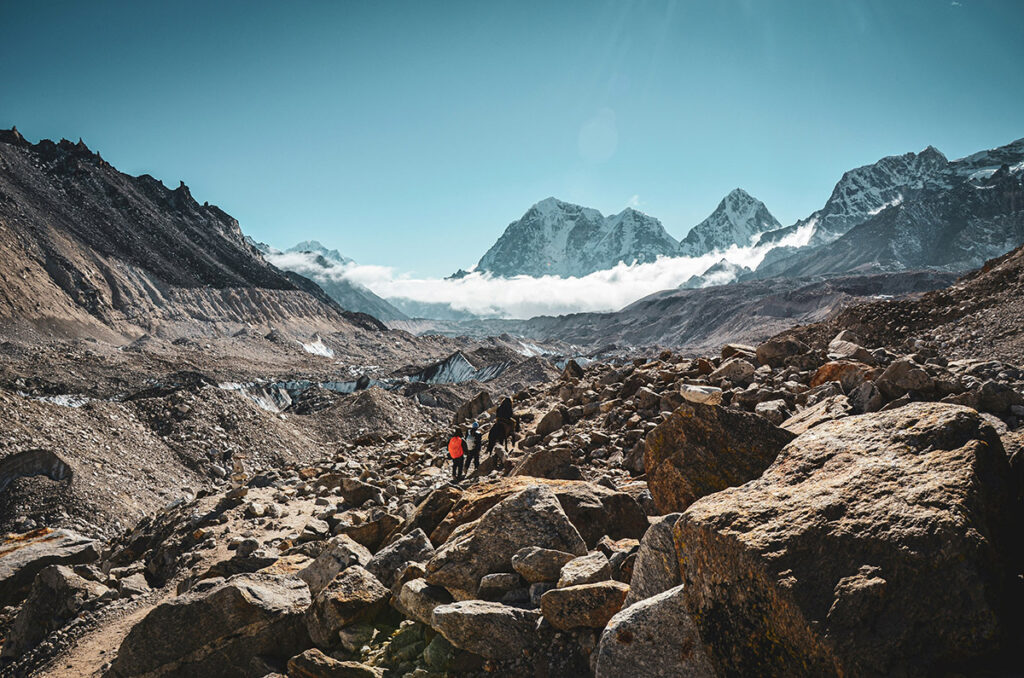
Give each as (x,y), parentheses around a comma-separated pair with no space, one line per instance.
(738,220)
(559,238)
(954,217)
(85,247)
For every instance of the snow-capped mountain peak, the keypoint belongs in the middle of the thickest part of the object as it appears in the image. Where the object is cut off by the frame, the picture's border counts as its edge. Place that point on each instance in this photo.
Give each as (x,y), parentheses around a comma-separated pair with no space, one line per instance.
(738,220)
(318,248)
(559,238)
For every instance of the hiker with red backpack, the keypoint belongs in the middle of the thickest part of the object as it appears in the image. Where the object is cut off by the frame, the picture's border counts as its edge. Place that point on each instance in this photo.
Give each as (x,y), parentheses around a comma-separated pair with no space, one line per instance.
(456,452)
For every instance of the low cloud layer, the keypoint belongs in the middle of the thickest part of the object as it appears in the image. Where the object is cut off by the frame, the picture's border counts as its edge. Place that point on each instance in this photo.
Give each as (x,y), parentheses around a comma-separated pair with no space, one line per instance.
(525,297)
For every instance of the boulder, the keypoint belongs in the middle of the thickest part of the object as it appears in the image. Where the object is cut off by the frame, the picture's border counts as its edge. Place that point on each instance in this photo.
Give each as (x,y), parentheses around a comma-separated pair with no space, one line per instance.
(417,600)
(371,533)
(488,629)
(499,585)
(540,565)
(583,606)
(572,371)
(220,631)
(315,664)
(702,449)
(593,509)
(841,349)
(704,395)
(849,374)
(473,408)
(901,377)
(593,567)
(653,638)
(432,510)
(738,350)
(877,544)
(775,411)
(656,568)
(551,422)
(736,370)
(56,596)
(866,398)
(355,492)
(354,595)
(774,352)
(830,409)
(23,556)
(341,552)
(532,517)
(387,564)
(549,463)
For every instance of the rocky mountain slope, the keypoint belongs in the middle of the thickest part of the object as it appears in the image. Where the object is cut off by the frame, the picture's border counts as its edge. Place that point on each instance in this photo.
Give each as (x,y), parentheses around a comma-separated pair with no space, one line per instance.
(739,219)
(85,248)
(914,211)
(326,267)
(558,238)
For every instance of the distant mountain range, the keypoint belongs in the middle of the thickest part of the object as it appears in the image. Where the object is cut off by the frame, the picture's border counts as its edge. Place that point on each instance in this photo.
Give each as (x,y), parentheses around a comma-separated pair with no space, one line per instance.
(917,210)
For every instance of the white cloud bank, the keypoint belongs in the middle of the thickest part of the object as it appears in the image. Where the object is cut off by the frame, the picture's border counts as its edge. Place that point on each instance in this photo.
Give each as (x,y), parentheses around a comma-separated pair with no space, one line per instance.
(524,296)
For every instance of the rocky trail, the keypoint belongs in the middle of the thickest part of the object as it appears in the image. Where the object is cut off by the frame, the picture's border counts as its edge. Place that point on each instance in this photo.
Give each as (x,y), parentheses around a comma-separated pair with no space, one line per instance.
(785,509)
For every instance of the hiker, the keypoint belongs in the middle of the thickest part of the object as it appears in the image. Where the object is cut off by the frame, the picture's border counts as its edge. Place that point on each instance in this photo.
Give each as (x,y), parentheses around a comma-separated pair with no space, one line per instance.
(505,409)
(474,441)
(456,450)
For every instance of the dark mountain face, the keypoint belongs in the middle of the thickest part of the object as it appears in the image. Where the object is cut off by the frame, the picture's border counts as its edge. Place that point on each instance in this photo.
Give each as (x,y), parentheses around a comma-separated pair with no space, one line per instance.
(966,213)
(84,237)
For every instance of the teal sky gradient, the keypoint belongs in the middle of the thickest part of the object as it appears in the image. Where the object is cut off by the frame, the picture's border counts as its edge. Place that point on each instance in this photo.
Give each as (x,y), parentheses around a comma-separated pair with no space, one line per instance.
(410,134)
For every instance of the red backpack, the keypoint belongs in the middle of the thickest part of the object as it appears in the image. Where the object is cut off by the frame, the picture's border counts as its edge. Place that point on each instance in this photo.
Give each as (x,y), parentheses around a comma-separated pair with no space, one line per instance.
(455,447)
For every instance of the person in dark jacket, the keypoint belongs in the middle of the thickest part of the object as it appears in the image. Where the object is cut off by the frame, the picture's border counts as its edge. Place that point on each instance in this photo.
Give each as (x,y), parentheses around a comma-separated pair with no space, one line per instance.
(505,409)
(457,451)
(474,441)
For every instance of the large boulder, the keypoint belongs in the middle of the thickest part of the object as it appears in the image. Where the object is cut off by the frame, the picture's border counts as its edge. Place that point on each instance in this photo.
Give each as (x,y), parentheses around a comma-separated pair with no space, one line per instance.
(736,370)
(417,600)
(774,352)
(432,510)
(656,568)
(387,564)
(23,556)
(315,664)
(341,552)
(551,422)
(594,510)
(488,629)
(549,462)
(539,565)
(698,393)
(220,631)
(702,449)
(532,517)
(901,377)
(878,544)
(848,373)
(654,638)
(56,596)
(583,606)
(473,408)
(354,595)
(831,408)
(593,567)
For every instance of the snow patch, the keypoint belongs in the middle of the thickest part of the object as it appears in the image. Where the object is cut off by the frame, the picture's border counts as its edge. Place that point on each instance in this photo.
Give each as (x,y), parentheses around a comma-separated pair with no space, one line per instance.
(317,347)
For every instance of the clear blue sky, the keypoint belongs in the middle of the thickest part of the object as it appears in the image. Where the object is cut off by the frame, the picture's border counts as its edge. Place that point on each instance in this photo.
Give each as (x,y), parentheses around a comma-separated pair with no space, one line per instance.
(411,133)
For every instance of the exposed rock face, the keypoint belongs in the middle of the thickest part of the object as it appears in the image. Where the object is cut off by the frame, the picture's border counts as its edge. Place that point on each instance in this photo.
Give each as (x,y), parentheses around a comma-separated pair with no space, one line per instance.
(354,595)
(840,558)
(387,563)
(738,220)
(657,567)
(488,629)
(472,408)
(57,595)
(315,664)
(538,565)
(417,600)
(23,556)
(702,449)
(220,631)
(531,518)
(585,605)
(654,637)
(341,552)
